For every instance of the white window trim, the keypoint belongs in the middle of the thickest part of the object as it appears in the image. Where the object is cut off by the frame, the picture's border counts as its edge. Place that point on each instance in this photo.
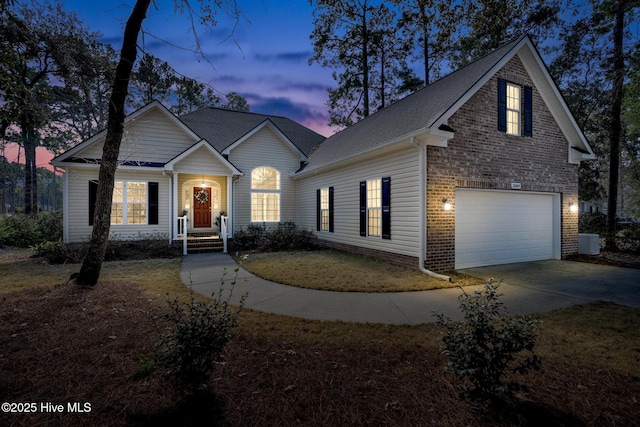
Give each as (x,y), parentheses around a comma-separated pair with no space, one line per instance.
(266,192)
(517,111)
(324,208)
(379,208)
(125,203)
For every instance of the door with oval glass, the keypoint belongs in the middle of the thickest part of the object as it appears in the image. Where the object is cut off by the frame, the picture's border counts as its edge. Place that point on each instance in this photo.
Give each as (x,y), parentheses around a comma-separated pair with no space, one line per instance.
(201,207)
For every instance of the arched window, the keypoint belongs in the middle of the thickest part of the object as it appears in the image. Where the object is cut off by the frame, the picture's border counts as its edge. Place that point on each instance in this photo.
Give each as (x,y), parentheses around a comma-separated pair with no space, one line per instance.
(265,194)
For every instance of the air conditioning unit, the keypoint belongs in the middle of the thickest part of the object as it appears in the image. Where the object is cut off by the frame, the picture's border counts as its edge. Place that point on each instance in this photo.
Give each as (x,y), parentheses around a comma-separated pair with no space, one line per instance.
(589,244)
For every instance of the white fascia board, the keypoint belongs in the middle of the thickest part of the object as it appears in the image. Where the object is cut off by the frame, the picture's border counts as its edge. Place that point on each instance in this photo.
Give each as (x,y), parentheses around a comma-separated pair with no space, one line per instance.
(429,136)
(553,99)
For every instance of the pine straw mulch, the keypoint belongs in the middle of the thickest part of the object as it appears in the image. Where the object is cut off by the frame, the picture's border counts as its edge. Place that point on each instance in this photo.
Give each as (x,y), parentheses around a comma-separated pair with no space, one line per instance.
(65,344)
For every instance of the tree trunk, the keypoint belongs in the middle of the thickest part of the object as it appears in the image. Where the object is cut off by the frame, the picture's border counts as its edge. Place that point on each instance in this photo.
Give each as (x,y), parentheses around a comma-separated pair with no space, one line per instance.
(92,264)
(616,128)
(30,175)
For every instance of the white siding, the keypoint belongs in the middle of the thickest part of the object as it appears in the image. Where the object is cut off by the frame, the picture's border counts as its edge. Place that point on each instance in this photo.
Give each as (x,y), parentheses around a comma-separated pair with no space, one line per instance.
(264,148)
(402,167)
(201,161)
(78,212)
(149,138)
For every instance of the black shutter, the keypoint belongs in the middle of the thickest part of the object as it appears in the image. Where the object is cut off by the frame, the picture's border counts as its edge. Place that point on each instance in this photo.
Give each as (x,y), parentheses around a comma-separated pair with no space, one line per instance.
(363,208)
(93,194)
(502,105)
(153,202)
(318,209)
(331,209)
(386,208)
(528,112)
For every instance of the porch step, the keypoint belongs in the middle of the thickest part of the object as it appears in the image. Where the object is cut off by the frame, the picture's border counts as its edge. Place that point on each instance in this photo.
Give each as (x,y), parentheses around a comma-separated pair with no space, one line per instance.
(198,242)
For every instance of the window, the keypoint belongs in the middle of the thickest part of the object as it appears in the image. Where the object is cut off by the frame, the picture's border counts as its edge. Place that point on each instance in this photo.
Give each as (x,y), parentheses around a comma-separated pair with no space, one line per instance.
(133,202)
(375,204)
(129,203)
(324,209)
(265,195)
(374,208)
(514,108)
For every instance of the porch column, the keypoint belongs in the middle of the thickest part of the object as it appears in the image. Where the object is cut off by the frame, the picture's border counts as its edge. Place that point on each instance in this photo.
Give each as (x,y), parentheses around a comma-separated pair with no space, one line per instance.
(174,214)
(230,205)
(172,225)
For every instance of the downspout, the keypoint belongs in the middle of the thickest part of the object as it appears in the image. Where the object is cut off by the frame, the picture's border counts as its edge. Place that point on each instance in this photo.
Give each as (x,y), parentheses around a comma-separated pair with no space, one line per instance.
(422,165)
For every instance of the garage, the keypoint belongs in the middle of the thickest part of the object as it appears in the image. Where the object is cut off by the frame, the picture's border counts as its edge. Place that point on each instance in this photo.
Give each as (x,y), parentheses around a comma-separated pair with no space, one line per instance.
(502,227)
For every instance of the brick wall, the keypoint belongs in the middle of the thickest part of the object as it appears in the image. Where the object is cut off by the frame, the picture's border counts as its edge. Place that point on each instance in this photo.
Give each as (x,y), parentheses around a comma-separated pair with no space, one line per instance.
(482,157)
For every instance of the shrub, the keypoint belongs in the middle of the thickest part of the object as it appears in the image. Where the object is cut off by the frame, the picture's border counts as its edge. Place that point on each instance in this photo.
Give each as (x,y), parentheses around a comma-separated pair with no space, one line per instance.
(54,252)
(595,223)
(200,330)
(485,344)
(285,236)
(28,230)
(146,246)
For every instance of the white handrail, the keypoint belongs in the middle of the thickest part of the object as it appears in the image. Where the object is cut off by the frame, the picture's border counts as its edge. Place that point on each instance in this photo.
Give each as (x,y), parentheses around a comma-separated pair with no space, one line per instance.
(182,232)
(223,232)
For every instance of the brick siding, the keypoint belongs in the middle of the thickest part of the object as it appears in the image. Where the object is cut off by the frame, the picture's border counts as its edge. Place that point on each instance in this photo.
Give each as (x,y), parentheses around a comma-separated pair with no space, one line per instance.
(480,156)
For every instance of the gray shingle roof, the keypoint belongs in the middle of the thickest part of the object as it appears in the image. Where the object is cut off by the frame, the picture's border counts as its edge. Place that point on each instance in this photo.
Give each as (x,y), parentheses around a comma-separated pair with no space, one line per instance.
(414,113)
(221,128)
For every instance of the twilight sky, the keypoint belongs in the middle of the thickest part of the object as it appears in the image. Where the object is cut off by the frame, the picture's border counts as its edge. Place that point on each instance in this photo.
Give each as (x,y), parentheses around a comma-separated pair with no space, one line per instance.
(265,58)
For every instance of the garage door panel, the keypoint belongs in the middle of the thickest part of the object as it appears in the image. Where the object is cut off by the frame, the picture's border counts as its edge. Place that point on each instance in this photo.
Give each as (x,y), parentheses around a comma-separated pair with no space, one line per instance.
(502,227)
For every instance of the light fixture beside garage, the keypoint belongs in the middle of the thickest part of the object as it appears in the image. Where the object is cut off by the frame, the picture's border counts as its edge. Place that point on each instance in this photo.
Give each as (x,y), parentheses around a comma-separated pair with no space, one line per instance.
(573,207)
(446,204)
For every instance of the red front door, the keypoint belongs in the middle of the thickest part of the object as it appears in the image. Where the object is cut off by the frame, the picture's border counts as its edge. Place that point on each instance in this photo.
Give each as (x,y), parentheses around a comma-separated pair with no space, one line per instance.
(201,207)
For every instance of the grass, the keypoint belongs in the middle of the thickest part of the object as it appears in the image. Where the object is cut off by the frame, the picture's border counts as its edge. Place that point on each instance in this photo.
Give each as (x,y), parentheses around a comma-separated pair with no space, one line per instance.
(334,270)
(62,344)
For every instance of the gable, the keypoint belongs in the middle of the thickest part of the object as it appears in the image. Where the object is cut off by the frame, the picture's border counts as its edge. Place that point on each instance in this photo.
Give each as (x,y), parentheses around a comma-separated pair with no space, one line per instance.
(423,115)
(264,147)
(152,136)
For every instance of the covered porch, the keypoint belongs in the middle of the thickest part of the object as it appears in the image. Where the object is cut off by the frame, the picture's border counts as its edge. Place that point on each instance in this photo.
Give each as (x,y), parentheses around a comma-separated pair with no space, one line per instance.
(201,195)
(202,211)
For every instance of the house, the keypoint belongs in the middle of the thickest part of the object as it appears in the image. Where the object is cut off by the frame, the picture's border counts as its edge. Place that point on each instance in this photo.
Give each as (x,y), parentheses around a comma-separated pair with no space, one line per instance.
(478,168)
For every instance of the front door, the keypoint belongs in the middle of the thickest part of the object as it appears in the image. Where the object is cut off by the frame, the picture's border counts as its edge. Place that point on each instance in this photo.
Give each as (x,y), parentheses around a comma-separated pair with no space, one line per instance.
(201,207)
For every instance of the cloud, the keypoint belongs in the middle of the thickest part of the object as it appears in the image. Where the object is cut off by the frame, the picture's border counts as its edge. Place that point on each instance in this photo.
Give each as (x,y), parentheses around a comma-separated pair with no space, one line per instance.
(307,114)
(284,56)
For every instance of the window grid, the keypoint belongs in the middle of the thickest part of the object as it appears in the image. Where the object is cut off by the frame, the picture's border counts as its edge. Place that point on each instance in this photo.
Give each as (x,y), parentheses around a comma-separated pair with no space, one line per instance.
(513,109)
(324,209)
(265,203)
(374,207)
(265,207)
(129,203)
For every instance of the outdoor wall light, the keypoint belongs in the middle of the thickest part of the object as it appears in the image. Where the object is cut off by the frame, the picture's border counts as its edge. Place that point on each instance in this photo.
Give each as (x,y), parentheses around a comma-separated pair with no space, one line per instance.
(446,204)
(573,207)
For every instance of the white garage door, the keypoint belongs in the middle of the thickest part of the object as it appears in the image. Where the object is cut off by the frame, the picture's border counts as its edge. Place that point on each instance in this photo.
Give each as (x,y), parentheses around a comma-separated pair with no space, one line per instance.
(494,227)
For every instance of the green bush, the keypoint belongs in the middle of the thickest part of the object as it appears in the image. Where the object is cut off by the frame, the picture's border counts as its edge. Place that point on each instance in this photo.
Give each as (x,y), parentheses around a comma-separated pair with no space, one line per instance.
(23,230)
(487,343)
(200,330)
(146,246)
(54,252)
(594,223)
(285,236)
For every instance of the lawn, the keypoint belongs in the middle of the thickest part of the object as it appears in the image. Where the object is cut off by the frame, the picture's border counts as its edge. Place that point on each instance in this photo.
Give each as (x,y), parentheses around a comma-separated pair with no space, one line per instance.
(60,344)
(333,270)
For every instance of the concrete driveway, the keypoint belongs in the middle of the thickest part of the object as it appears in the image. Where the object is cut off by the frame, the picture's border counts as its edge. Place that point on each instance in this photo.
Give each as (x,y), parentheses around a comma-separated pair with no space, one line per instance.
(532,287)
(542,285)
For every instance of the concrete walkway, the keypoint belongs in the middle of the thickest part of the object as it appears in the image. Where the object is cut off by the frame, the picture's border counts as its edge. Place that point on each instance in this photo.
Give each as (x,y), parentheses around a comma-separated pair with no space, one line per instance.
(527,287)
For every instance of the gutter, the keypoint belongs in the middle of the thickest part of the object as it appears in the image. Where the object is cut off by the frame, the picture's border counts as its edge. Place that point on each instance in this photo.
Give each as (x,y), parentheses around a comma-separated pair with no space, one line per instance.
(422,154)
